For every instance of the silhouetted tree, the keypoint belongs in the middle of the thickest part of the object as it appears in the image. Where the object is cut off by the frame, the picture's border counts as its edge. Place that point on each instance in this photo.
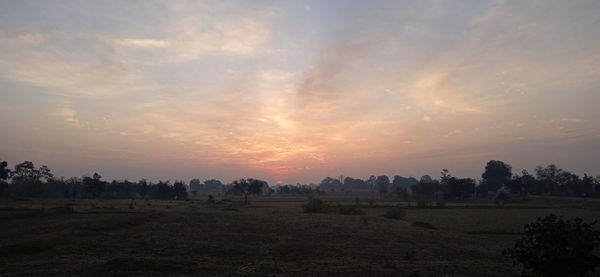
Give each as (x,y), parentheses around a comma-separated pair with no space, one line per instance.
(331,184)
(164,190)
(426,179)
(497,173)
(93,186)
(552,246)
(249,186)
(404,182)
(401,192)
(212,185)
(356,184)
(588,184)
(26,172)
(144,188)
(371,184)
(195,187)
(4,173)
(28,180)
(382,183)
(445,177)
(180,190)
(297,189)
(523,184)
(548,177)
(426,188)
(121,189)
(557,181)
(459,188)
(73,187)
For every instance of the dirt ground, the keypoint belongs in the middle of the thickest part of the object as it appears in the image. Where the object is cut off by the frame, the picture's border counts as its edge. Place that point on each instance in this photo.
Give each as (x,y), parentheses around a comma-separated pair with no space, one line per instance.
(270,237)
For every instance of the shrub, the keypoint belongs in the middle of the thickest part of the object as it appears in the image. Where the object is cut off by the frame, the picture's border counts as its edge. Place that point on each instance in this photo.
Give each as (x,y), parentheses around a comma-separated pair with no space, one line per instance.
(552,246)
(349,210)
(315,205)
(423,203)
(423,224)
(501,199)
(395,212)
(440,203)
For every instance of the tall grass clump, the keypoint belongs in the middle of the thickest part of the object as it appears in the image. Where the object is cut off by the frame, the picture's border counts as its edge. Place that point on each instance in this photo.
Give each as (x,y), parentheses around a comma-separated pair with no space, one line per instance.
(395,212)
(349,210)
(423,203)
(315,205)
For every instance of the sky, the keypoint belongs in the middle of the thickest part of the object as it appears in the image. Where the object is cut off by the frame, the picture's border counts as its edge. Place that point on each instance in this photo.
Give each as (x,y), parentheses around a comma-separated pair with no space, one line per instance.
(293,91)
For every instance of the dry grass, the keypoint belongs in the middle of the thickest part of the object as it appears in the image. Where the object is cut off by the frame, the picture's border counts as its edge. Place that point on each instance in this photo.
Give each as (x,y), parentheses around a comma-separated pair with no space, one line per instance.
(271,237)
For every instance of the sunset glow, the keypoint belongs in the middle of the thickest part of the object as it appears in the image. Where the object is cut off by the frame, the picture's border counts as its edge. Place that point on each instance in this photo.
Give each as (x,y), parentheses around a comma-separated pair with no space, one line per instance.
(293,91)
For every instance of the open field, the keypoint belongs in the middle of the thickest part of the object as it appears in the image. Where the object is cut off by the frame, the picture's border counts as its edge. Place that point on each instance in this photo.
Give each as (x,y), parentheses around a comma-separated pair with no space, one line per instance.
(270,237)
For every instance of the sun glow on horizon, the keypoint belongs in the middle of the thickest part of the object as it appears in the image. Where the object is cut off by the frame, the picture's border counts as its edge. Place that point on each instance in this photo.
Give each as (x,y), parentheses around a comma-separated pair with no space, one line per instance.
(290,94)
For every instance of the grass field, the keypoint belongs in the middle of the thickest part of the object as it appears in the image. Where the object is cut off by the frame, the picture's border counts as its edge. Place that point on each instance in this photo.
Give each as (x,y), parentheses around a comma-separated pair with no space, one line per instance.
(270,237)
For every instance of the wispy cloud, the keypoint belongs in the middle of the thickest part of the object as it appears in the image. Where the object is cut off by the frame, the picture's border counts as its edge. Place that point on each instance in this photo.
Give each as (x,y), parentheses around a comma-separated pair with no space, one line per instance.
(143,43)
(277,89)
(69,116)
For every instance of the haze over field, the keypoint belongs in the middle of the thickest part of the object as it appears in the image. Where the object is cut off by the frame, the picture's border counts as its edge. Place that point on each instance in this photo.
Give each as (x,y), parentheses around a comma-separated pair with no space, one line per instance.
(294,91)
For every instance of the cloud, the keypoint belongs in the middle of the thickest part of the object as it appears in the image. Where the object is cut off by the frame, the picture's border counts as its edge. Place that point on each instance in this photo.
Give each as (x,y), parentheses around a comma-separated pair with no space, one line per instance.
(21,40)
(143,43)
(94,64)
(68,75)
(69,116)
(567,120)
(240,36)
(189,40)
(263,88)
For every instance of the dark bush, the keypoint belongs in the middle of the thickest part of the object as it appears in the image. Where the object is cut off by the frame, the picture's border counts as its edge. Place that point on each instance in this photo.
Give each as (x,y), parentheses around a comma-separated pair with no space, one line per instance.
(423,203)
(315,205)
(552,246)
(501,199)
(395,212)
(423,224)
(349,210)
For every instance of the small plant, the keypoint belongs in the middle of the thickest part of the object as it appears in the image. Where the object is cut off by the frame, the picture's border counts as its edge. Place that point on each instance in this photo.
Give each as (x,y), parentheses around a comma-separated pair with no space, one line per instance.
(423,224)
(349,210)
(395,212)
(440,203)
(315,205)
(410,256)
(501,199)
(552,246)
(423,203)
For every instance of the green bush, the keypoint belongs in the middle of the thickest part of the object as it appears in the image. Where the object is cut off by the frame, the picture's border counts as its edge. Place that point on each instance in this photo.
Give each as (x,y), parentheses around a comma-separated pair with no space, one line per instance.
(395,212)
(556,247)
(349,210)
(315,205)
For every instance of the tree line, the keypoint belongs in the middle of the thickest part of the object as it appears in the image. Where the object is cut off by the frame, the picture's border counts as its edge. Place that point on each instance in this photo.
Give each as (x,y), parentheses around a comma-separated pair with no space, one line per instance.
(497,177)
(26,180)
